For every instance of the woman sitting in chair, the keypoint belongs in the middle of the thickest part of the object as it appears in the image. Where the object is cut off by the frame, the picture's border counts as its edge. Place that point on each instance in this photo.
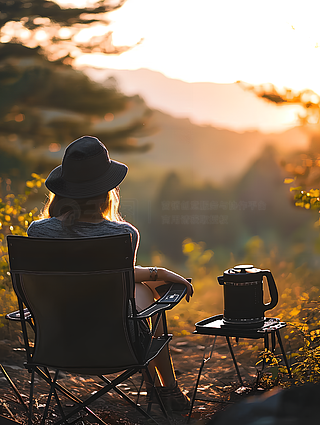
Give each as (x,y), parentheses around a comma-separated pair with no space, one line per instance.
(84,202)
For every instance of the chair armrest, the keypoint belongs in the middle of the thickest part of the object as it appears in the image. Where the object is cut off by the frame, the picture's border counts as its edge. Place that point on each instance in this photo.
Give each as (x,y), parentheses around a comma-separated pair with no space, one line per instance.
(171,298)
(15,315)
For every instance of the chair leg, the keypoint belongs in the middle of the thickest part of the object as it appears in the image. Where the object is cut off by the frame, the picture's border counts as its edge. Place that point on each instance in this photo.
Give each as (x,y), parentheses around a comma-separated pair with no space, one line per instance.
(82,405)
(15,389)
(67,394)
(234,360)
(128,399)
(55,395)
(52,390)
(139,390)
(283,353)
(31,399)
(59,405)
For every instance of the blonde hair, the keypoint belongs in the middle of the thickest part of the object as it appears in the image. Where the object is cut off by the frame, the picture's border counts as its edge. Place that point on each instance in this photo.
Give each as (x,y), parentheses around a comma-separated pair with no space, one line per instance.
(105,206)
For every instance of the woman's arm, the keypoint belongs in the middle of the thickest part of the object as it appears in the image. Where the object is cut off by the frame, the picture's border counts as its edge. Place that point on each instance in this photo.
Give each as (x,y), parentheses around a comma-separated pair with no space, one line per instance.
(142,274)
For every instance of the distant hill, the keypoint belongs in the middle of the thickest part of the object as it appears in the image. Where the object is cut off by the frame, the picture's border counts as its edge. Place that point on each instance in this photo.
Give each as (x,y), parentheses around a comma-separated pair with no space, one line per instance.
(200,152)
(220,105)
(206,152)
(182,142)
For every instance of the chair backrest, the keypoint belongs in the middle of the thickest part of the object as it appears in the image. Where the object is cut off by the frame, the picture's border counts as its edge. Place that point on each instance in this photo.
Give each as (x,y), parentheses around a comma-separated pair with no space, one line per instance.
(80,293)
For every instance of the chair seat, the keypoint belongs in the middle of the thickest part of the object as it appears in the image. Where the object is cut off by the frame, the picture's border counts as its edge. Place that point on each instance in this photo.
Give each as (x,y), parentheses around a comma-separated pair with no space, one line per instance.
(155,348)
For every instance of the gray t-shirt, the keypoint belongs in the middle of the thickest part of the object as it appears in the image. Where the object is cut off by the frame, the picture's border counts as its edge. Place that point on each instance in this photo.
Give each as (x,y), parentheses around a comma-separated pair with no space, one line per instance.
(54,228)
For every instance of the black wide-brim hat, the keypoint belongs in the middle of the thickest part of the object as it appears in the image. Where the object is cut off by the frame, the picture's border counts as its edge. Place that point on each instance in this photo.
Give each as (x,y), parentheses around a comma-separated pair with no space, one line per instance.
(86,170)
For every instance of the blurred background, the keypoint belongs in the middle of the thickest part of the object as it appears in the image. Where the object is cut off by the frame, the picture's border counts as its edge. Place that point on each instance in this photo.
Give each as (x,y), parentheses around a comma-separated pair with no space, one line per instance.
(213,106)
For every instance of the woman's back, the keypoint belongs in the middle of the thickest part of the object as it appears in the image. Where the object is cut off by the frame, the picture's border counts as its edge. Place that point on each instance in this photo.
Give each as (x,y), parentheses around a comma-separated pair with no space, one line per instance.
(55,228)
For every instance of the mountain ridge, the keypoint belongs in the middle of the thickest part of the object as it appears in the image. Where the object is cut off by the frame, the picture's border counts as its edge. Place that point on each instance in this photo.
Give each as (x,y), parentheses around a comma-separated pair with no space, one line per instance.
(221,105)
(210,154)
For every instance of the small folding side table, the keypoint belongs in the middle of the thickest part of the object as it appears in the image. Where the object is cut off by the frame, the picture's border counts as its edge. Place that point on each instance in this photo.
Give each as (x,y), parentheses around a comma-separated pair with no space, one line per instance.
(215,326)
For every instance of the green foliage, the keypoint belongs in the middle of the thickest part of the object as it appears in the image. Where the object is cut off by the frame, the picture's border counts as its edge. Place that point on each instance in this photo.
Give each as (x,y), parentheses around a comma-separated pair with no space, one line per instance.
(14,219)
(299,307)
(207,298)
(8,303)
(198,257)
(307,365)
(306,199)
(271,367)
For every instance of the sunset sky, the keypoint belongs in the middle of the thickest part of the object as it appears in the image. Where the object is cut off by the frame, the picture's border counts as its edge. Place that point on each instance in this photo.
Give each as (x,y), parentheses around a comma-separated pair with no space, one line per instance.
(203,41)
(220,41)
(211,41)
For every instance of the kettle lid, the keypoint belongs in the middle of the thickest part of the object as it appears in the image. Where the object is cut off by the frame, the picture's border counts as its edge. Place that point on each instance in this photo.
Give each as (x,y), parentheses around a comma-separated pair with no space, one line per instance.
(242,268)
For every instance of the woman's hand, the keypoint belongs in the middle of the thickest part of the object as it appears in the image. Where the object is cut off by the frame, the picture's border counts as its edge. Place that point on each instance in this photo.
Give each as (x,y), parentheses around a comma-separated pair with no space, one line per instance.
(142,274)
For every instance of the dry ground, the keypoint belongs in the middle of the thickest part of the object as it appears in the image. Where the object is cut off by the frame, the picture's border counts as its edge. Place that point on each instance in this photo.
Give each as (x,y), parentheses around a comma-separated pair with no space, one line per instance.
(218,386)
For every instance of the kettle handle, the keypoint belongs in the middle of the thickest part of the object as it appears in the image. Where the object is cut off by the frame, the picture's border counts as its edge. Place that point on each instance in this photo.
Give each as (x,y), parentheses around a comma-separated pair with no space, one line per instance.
(272,289)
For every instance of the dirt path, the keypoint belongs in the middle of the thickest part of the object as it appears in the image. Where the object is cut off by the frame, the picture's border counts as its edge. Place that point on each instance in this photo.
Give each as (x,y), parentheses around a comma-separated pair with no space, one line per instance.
(218,382)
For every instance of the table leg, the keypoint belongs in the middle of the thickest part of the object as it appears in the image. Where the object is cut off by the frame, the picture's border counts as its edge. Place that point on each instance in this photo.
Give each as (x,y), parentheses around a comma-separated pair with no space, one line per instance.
(266,341)
(273,341)
(204,361)
(283,353)
(266,347)
(234,360)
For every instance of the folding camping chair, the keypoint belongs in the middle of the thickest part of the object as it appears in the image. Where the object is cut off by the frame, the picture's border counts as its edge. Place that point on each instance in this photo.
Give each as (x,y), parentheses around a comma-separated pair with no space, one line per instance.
(78,297)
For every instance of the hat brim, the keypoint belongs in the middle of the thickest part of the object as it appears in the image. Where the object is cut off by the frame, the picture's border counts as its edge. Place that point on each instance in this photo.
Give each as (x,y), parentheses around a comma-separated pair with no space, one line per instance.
(114,175)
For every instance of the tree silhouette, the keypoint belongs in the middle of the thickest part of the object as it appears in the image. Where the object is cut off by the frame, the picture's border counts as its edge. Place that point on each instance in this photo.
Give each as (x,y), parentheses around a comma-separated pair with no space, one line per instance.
(303,167)
(45,103)
(307,99)
(56,29)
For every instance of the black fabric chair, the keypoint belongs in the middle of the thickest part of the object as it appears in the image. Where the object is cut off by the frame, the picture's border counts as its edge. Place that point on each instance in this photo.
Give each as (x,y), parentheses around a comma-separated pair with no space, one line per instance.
(78,297)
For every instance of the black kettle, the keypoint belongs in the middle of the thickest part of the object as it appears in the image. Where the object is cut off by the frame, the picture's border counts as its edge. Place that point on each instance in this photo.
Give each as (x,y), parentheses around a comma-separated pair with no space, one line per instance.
(243,295)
